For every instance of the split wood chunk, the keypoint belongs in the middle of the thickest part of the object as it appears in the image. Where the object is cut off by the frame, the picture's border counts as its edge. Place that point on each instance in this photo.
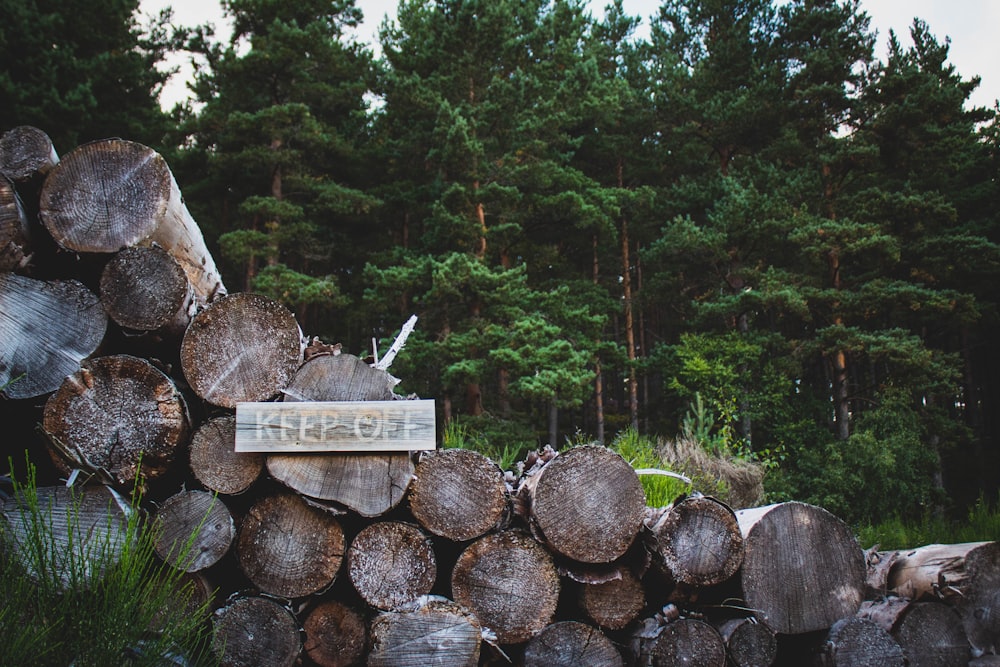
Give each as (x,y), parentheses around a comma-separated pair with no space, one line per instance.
(509,582)
(802,567)
(391,563)
(931,634)
(587,504)
(699,540)
(117,415)
(255,631)
(685,641)
(46,330)
(26,154)
(431,630)
(335,635)
(287,547)
(458,494)
(111,194)
(571,644)
(339,377)
(215,462)
(615,603)
(194,530)
(749,643)
(858,641)
(241,348)
(15,231)
(145,289)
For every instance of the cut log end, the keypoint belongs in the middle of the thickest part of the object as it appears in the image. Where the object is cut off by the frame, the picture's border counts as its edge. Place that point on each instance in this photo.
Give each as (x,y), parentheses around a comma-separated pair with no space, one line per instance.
(700,542)
(26,154)
(256,631)
(216,464)
(335,635)
(145,289)
(391,563)
(429,631)
(194,530)
(571,644)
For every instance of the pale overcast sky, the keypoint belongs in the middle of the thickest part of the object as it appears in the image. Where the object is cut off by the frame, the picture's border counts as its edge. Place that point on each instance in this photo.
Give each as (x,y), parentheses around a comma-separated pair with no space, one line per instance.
(971,25)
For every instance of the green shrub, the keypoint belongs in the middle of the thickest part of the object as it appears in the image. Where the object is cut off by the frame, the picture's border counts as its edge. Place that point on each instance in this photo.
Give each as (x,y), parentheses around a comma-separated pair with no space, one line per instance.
(641,452)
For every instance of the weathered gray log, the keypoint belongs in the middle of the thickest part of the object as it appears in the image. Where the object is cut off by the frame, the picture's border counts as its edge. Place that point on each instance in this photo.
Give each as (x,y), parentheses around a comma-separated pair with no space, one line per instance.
(458,494)
(15,231)
(338,377)
(615,603)
(802,567)
(117,415)
(571,644)
(194,530)
(699,541)
(335,635)
(749,643)
(145,289)
(241,348)
(684,641)
(509,582)
(26,154)
(428,631)
(857,641)
(586,504)
(930,633)
(46,330)
(391,563)
(255,631)
(111,194)
(214,461)
(287,547)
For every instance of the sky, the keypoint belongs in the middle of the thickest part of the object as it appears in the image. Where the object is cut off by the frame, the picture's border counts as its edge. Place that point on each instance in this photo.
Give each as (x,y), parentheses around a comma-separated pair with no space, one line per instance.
(971,26)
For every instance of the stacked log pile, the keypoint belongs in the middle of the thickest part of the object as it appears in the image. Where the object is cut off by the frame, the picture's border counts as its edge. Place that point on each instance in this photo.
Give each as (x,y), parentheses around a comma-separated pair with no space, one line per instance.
(120,342)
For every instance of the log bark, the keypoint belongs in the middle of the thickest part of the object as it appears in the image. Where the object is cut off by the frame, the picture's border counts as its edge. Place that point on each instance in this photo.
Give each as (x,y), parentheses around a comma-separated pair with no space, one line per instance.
(26,154)
(216,464)
(931,634)
(46,330)
(685,641)
(613,604)
(255,631)
(586,504)
(802,567)
(458,494)
(699,541)
(335,635)
(15,230)
(119,416)
(391,563)
(857,641)
(194,530)
(145,289)
(571,644)
(286,547)
(509,582)
(749,643)
(111,194)
(241,348)
(428,631)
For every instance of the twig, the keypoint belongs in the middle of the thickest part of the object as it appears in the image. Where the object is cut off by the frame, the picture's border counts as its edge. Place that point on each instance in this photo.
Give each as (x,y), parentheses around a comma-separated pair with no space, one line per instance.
(397,344)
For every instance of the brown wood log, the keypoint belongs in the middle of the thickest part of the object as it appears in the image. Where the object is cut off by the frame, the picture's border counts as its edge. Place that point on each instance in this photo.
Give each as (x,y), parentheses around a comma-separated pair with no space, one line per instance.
(749,643)
(145,289)
(930,633)
(26,154)
(15,230)
(112,194)
(335,635)
(46,330)
(241,348)
(117,415)
(684,641)
(571,644)
(857,641)
(458,494)
(216,464)
(428,631)
(509,582)
(255,631)
(391,563)
(194,530)
(615,603)
(699,541)
(802,567)
(287,547)
(586,504)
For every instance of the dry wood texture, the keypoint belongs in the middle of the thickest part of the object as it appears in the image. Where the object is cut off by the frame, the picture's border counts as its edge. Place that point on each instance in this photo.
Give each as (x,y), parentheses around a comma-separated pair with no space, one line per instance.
(15,231)
(145,289)
(194,529)
(335,635)
(699,541)
(749,643)
(571,644)
(428,631)
(858,641)
(216,464)
(685,641)
(391,563)
(615,603)
(931,634)
(26,154)
(255,631)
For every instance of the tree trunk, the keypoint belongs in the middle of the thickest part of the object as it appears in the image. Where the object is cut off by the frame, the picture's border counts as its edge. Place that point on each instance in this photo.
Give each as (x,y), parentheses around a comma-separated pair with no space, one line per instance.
(26,154)
(429,631)
(254,631)
(215,462)
(15,231)
(458,494)
(931,634)
(684,641)
(613,604)
(857,641)
(587,504)
(335,635)
(288,548)
(46,330)
(117,415)
(699,541)
(509,582)
(145,289)
(749,643)
(194,530)
(571,644)
(111,194)
(794,556)
(242,347)
(391,563)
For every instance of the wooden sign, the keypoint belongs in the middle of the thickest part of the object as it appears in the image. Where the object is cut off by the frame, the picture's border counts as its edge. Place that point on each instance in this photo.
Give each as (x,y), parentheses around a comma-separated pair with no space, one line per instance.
(343,426)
